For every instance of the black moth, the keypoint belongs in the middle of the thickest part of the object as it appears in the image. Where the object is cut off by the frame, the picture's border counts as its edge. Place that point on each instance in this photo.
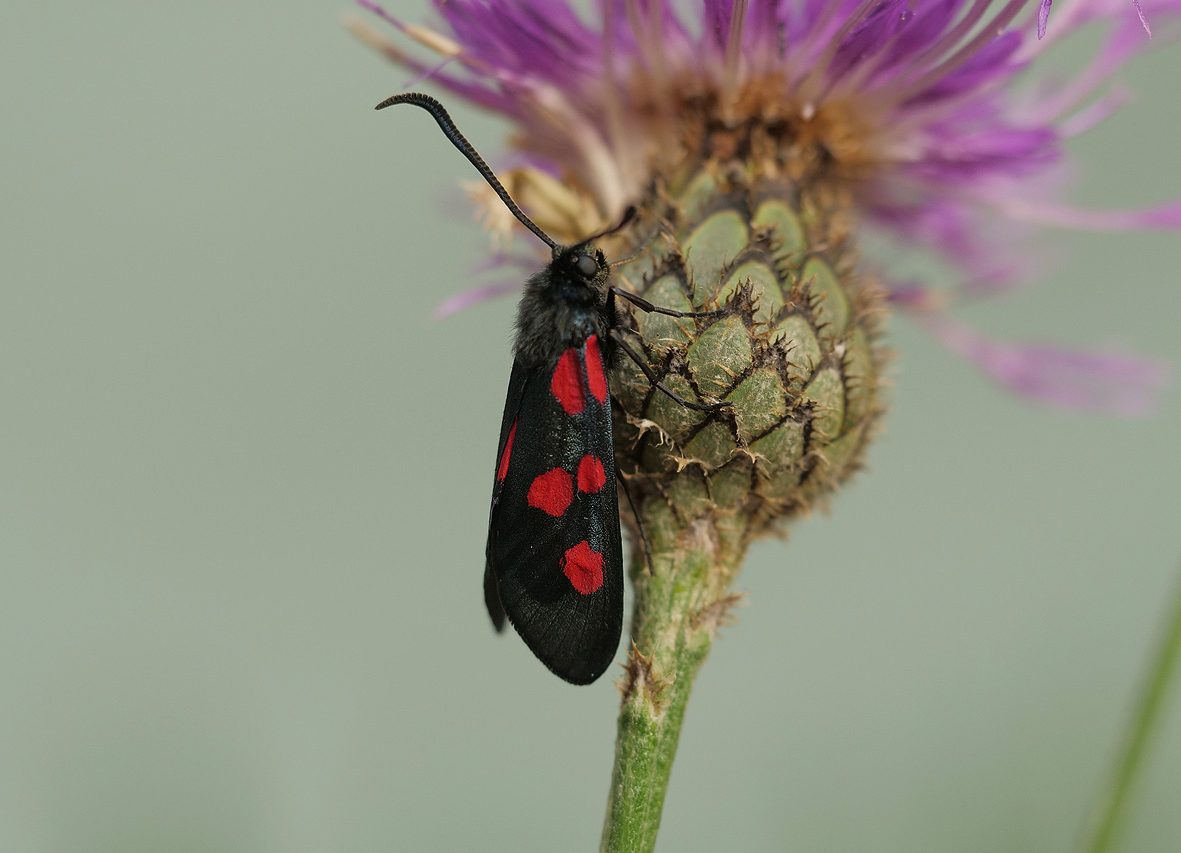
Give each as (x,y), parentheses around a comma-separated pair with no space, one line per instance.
(554,558)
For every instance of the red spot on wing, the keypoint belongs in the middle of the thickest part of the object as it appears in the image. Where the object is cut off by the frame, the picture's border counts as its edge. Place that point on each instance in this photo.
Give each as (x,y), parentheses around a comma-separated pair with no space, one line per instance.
(595,375)
(566,383)
(502,468)
(583,567)
(591,475)
(551,492)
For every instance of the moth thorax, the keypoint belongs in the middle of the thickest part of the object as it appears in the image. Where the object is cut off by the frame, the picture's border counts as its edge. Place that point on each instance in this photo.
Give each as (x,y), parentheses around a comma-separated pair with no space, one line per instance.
(549,320)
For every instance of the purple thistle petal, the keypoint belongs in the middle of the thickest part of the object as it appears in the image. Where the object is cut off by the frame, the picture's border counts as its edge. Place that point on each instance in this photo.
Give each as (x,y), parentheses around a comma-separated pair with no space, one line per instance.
(1165,217)
(1043,15)
(928,23)
(523,36)
(988,63)
(1143,18)
(765,27)
(987,256)
(717,21)
(468,298)
(1094,114)
(988,277)
(1121,44)
(380,11)
(528,264)
(876,31)
(1081,13)
(1107,382)
(423,76)
(476,93)
(996,150)
(946,227)
(914,296)
(658,24)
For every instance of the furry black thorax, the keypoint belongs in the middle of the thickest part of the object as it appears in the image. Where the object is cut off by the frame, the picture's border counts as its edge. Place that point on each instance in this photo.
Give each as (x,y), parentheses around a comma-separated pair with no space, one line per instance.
(563,305)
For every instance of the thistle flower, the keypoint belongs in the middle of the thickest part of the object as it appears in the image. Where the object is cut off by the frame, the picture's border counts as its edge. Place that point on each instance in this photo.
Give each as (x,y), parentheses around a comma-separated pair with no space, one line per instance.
(767,144)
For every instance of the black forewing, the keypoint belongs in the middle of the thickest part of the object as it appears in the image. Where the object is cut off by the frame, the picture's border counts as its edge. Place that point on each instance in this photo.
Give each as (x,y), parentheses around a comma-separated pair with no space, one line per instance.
(573,633)
(512,406)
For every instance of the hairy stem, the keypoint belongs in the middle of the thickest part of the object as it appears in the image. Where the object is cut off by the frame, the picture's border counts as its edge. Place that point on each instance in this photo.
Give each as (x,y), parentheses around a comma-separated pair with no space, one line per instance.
(679,603)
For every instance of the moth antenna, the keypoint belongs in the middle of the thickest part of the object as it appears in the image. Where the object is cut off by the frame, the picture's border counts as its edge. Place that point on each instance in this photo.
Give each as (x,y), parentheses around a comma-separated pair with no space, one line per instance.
(465,148)
(628,216)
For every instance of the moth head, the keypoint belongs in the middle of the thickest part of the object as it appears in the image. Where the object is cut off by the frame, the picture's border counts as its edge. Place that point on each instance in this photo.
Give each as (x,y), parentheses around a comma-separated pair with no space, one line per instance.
(582,263)
(580,271)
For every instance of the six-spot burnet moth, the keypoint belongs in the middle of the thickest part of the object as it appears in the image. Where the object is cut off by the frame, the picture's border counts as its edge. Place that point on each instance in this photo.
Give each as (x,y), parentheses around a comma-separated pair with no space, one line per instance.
(554,564)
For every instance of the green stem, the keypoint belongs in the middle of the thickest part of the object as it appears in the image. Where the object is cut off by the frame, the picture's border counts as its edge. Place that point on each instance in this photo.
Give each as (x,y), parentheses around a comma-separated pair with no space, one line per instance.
(1112,809)
(679,603)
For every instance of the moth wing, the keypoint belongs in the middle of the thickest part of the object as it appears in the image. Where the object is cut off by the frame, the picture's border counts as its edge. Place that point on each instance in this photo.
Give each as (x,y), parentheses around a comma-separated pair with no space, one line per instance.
(555,557)
(508,427)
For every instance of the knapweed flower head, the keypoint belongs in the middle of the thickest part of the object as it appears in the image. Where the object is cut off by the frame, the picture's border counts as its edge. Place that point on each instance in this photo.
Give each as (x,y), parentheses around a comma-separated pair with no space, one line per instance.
(767,144)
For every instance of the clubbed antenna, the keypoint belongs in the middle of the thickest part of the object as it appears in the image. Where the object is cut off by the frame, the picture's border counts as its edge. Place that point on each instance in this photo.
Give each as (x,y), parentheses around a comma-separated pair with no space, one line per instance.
(465,148)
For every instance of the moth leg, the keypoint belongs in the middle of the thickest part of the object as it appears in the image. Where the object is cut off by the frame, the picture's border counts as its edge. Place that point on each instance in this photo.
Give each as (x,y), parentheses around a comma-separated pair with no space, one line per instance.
(651,374)
(648,308)
(639,521)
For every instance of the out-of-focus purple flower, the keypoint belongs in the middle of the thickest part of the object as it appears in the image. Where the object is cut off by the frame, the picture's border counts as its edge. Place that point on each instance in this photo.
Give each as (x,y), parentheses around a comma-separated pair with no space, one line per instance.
(914,101)
(1043,17)
(1078,380)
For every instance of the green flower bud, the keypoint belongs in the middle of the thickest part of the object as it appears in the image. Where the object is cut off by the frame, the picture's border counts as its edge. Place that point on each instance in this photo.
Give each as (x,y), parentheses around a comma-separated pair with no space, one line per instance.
(793,353)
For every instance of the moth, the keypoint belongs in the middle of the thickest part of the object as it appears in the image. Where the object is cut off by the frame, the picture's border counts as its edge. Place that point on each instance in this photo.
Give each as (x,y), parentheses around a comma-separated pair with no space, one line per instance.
(554,557)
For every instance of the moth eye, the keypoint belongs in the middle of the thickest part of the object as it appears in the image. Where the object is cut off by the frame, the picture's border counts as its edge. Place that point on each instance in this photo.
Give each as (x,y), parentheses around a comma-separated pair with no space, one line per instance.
(586,266)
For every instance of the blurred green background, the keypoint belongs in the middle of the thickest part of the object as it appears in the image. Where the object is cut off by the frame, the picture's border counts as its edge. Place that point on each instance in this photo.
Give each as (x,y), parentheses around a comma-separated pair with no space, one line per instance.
(244,479)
